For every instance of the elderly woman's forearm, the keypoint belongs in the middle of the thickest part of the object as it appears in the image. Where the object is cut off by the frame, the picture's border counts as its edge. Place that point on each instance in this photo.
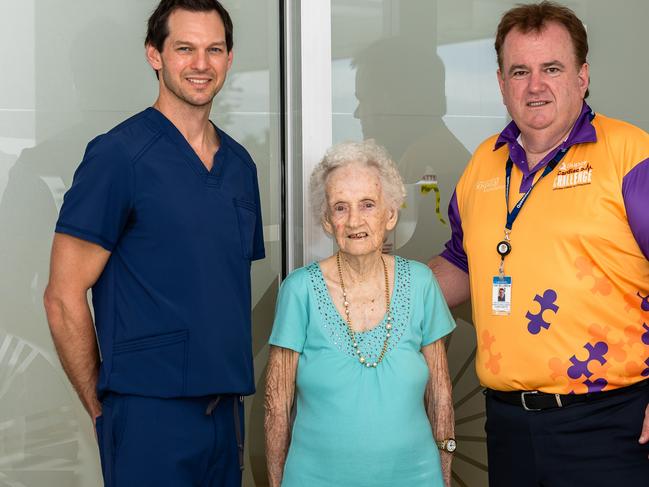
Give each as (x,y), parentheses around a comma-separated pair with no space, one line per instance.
(439,401)
(278,402)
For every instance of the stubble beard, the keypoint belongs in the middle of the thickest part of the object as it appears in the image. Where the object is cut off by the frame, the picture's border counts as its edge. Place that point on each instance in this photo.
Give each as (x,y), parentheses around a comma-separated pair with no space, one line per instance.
(181,95)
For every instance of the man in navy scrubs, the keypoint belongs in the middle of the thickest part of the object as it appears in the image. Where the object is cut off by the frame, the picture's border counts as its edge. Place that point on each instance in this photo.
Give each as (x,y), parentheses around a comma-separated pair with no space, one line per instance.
(162,221)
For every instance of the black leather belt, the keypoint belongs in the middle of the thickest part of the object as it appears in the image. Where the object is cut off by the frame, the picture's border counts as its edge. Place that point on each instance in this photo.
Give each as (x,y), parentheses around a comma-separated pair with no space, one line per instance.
(539,401)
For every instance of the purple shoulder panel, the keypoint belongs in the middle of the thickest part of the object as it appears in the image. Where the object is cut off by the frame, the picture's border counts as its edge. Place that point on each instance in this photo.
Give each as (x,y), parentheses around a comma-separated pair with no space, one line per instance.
(454,251)
(635,191)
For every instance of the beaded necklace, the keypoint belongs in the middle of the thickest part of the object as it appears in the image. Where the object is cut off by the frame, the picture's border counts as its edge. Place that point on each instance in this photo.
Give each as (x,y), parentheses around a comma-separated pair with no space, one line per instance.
(388,322)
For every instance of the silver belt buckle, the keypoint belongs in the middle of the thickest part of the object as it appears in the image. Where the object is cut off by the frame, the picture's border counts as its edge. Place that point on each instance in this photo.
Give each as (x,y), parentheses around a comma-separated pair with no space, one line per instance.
(523,400)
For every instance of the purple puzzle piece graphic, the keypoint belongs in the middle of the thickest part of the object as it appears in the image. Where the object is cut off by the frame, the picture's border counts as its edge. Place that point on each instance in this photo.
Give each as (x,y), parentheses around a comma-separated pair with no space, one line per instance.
(645,335)
(645,372)
(536,321)
(597,385)
(645,301)
(580,368)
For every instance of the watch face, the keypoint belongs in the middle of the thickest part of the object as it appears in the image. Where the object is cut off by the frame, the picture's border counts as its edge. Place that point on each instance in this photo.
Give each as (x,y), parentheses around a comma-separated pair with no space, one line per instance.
(451,445)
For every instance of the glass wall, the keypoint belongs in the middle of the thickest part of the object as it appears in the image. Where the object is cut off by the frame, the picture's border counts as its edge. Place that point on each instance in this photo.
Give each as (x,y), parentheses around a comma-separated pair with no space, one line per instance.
(74,70)
(419,76)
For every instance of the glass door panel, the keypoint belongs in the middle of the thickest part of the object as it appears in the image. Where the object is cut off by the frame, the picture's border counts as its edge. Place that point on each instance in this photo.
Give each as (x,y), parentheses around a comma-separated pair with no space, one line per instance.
(75,69)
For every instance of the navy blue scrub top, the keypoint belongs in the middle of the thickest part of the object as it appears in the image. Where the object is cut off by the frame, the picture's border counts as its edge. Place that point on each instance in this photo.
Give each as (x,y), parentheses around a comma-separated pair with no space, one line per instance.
(172,306)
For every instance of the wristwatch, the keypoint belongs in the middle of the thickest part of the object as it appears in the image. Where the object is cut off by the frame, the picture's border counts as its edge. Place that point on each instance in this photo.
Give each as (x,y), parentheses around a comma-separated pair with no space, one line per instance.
(448,445)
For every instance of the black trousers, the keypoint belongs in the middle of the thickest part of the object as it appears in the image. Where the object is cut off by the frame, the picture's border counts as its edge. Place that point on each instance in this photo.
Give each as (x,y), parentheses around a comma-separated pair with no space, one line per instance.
(592,444)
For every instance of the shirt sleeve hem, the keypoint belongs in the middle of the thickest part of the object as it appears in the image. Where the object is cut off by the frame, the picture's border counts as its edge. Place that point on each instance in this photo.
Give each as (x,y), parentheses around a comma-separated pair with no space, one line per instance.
(278,342)
(84,235)
(439,335)
(456,261)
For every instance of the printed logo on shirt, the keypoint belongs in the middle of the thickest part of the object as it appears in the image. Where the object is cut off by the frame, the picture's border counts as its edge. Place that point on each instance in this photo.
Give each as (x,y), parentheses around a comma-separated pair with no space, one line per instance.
(571,174)
(489,185)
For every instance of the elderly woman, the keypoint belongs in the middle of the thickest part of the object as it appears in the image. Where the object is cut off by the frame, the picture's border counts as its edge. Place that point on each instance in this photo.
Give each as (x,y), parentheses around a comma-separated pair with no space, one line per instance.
(355,342)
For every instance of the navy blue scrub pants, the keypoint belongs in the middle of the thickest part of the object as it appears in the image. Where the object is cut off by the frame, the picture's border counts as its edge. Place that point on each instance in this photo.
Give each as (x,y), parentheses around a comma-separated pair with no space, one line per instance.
(591,444)
(146,441)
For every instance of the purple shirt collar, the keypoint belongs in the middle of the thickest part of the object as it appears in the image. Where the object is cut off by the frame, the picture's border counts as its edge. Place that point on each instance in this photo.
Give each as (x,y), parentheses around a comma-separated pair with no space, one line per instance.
(582,131)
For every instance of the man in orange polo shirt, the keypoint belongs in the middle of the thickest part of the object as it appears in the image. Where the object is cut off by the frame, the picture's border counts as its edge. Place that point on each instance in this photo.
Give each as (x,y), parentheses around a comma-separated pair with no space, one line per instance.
(551,241)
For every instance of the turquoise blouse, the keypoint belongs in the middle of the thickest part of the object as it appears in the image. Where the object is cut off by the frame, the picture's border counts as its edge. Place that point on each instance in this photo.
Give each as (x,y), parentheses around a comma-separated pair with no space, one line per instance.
(358,426)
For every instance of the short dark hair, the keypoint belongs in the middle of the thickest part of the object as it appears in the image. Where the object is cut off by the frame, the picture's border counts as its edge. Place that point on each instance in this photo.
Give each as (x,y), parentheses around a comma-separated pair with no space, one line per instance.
(158,25)
(534,17)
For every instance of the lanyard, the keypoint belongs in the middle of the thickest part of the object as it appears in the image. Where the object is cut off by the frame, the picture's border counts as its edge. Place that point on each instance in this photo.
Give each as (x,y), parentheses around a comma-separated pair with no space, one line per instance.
(511,215)
(504,247)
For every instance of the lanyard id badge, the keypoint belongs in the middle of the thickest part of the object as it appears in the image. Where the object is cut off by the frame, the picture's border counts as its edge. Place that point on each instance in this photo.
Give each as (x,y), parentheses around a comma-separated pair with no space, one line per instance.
(501,295)
(501,285)
(501,290)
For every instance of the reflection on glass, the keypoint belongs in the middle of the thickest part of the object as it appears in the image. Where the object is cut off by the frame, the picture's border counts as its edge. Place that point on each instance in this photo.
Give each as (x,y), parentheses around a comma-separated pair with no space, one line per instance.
(420,77)
(60,88)
(401,104)
(400,86)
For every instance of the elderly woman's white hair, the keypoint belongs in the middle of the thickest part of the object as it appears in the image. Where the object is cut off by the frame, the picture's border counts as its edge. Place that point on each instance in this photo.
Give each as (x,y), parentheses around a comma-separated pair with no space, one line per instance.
(367,153)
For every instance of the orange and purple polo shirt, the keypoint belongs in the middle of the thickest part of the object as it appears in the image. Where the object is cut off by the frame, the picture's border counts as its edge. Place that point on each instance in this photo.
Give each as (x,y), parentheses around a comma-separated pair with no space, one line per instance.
(579,318)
